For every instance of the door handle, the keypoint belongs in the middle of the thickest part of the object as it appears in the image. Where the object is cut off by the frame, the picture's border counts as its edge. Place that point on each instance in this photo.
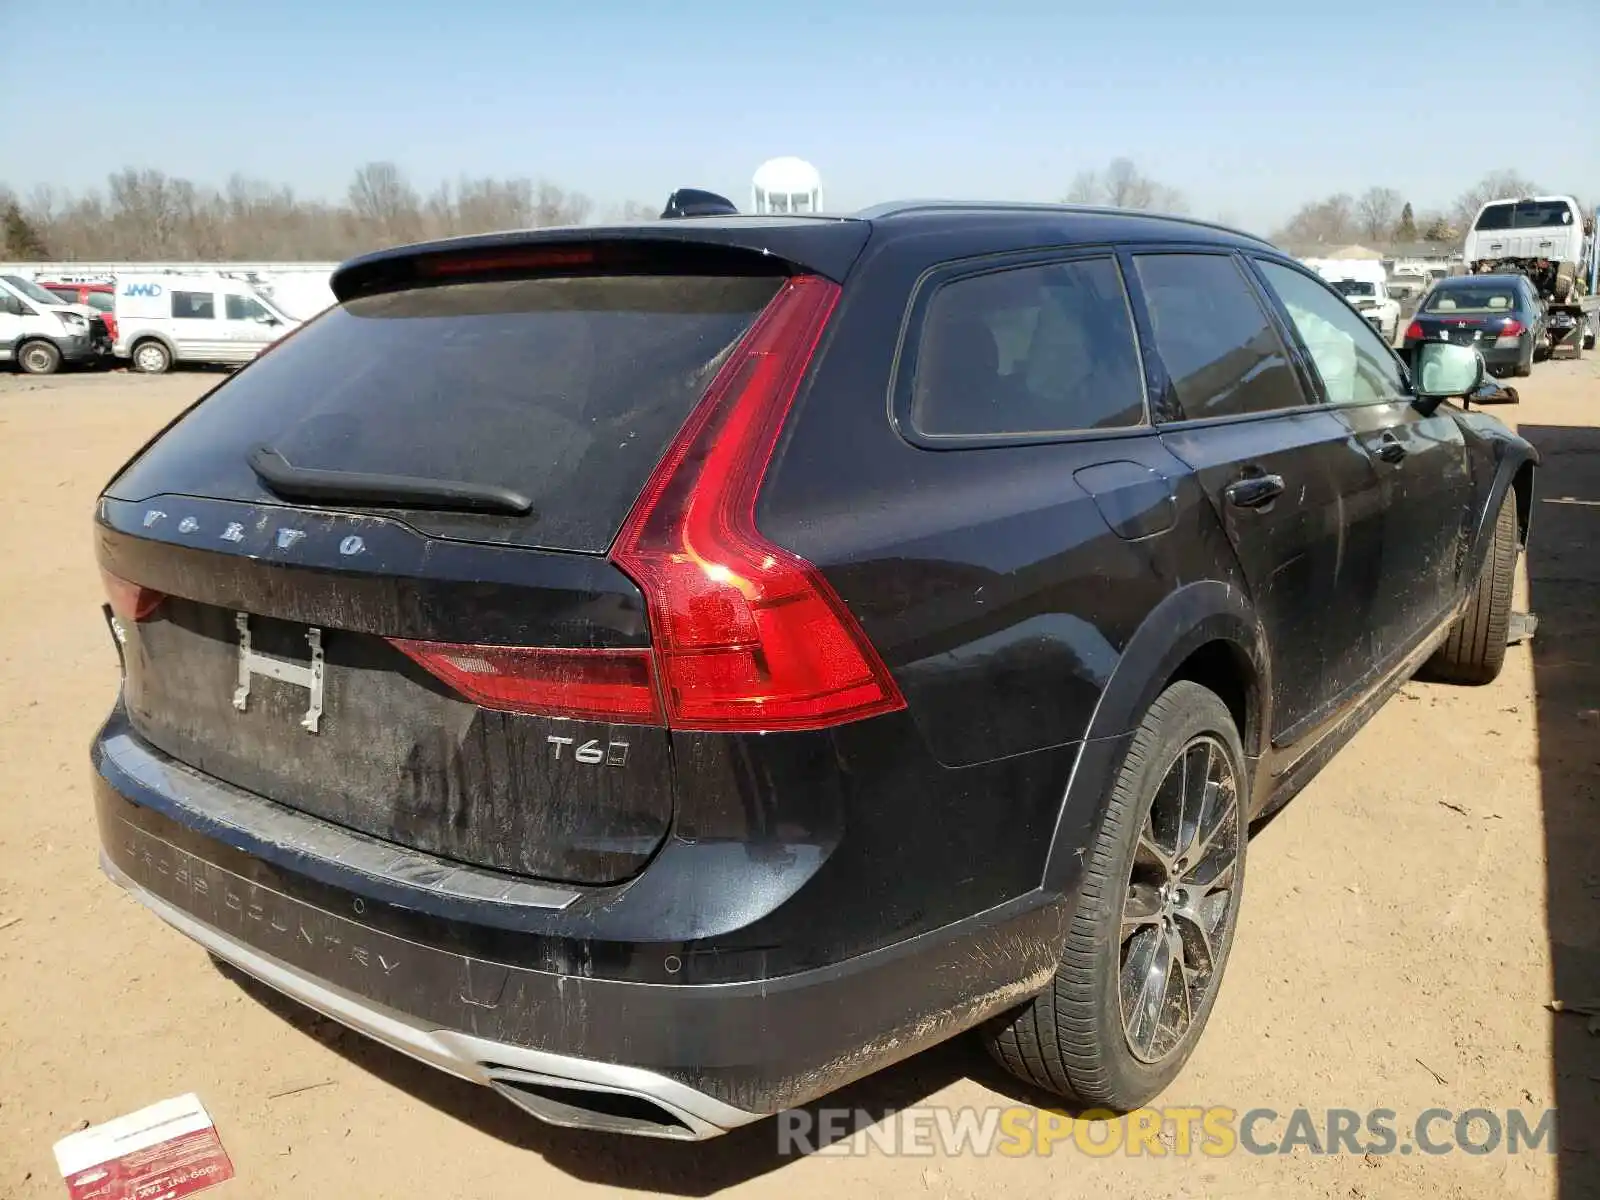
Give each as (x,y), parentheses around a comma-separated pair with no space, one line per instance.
(1254,491)
(1391,450)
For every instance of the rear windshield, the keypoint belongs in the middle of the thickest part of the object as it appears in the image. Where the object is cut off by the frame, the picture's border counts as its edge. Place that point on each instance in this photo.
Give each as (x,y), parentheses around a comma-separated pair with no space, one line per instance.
(565,390)
(1525,214)
(1469,298)
(1355,287)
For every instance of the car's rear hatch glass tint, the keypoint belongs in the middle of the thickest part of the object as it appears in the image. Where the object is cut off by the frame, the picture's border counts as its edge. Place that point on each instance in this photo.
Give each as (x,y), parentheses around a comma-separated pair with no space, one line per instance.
(563,390)
(566,391)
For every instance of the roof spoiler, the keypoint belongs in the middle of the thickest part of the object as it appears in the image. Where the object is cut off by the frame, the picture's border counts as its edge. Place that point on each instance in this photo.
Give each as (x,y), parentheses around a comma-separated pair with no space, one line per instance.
(695,202)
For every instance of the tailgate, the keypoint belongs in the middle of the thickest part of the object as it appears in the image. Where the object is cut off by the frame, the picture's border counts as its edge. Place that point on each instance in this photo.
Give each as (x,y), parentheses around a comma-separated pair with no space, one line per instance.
(274,669)
(404,657)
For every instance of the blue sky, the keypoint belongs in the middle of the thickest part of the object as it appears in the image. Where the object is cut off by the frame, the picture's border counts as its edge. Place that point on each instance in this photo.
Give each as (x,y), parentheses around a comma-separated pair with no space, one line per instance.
(1250,108)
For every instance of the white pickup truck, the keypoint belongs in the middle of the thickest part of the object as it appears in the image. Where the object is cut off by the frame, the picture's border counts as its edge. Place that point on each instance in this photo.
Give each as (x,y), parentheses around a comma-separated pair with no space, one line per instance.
(1541,237)
(1366,287)
(1547,239)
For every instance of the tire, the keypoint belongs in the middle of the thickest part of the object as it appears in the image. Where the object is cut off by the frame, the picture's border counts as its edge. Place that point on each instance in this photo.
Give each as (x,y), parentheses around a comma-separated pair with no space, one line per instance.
(1072,1039)
(150,357)
(39,358)
(1566,276)
(1475,649)
(1525,369)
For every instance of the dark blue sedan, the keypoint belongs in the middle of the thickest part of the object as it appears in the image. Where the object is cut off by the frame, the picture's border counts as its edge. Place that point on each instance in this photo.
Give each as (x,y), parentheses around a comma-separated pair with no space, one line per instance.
(1499,314)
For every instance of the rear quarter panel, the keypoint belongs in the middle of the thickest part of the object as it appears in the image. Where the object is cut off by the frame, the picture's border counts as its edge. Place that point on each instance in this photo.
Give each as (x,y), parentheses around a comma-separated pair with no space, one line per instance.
(996,590)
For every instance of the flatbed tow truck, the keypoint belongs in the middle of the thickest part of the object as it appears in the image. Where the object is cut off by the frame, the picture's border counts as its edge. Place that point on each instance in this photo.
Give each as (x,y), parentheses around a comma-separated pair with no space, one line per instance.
(1547,239)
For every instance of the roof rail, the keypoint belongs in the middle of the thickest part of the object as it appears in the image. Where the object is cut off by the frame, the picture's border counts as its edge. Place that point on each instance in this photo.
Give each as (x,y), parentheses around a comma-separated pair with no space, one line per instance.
(898,208)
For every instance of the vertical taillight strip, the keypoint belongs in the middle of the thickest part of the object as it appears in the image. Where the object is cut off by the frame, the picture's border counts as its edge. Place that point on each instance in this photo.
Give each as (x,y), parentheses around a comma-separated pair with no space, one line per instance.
(747,635)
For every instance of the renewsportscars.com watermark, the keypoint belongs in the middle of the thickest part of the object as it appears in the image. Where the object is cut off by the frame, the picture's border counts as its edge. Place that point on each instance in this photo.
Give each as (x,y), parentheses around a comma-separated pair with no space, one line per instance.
(1164,1132)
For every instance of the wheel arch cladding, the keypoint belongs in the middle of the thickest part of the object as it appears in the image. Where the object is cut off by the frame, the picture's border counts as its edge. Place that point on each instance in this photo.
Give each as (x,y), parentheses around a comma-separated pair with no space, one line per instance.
(1205,632)
(150,335)
(1513,481)
(1522,487)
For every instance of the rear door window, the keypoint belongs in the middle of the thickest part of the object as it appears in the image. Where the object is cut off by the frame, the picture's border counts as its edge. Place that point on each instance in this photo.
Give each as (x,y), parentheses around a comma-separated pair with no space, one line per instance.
(1028,350)
(566,390)
(1221,352)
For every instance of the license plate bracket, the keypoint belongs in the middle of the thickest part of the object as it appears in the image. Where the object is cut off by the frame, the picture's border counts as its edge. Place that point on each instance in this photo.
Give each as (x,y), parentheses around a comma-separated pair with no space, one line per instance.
(306,675)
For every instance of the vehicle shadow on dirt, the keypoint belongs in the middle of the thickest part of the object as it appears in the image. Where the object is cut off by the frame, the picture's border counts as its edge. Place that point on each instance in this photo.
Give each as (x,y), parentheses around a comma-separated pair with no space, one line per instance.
(1564,588)
(648,1164)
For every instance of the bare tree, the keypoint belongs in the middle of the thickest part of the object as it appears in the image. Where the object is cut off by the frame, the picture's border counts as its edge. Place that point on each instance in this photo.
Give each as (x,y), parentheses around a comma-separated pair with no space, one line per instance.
(1085,188)
(1327,222)
(1504,184)
(1378,209)
(552,206)
(381,197)
(1123,185)
(631,211)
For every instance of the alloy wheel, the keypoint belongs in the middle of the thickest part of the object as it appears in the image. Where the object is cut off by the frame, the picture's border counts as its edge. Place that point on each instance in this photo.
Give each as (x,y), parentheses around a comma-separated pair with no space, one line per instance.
(1181,900)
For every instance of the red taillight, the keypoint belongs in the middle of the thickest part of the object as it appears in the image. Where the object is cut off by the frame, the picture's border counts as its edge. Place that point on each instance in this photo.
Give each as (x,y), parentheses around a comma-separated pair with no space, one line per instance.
(541,259)
(130,601)
(1512,328)
(1414,332)
(606,685)
(748,636)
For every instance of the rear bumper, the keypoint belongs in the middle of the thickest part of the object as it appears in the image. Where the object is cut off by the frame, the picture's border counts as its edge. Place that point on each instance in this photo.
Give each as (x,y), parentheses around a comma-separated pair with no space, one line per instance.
(479,1060)
(695,1059)
(1493,356)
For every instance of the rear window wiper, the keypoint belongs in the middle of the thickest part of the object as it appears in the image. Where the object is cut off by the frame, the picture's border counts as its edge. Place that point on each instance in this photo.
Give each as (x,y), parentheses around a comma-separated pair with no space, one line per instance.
(392,491)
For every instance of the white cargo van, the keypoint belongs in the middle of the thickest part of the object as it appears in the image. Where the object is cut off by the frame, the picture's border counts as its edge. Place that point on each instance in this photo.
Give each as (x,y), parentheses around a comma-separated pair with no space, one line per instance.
(163,319)
(40,336)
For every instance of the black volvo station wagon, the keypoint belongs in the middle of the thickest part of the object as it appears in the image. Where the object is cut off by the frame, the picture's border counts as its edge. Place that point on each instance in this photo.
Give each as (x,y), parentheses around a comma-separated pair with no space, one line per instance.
(666,672)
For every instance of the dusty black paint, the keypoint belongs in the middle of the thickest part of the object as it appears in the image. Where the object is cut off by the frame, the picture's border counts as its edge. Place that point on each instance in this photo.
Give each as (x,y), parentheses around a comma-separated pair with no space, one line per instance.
(397,755)
(1031,599)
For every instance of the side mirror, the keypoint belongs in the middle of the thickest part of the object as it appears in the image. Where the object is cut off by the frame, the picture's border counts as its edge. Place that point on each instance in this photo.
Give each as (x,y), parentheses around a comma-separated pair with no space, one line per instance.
(1444,371)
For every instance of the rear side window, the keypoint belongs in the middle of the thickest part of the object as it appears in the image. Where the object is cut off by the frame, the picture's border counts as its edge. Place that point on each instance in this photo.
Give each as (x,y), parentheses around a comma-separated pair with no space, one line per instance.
(1038,349)
(194,306)
(1221,352)
(99,301)
(566,390)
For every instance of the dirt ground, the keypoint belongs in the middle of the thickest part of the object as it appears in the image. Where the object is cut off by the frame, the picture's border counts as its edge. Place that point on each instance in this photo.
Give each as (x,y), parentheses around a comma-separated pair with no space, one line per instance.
(1407,921)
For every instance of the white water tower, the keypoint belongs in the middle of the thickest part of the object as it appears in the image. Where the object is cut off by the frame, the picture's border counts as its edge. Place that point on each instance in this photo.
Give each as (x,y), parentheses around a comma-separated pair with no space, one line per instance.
(786,185)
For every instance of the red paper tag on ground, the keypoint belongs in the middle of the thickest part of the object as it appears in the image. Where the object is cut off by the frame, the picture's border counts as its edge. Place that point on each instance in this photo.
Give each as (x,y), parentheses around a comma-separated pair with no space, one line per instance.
(168,1150)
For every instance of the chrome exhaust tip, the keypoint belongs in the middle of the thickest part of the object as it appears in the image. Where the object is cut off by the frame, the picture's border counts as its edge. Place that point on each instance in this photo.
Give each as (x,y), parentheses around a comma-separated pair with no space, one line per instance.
(574,1105)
